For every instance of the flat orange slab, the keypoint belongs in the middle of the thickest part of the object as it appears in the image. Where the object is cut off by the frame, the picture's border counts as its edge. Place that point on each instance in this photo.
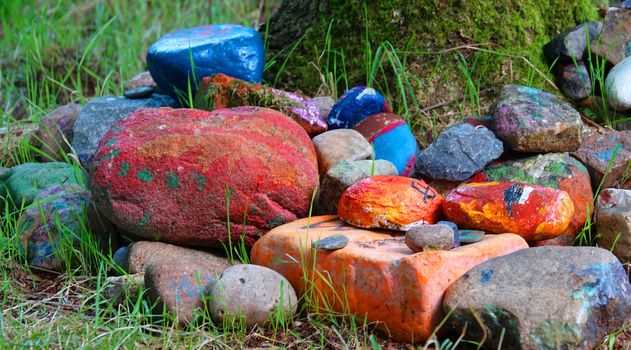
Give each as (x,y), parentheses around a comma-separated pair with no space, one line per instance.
(376,275)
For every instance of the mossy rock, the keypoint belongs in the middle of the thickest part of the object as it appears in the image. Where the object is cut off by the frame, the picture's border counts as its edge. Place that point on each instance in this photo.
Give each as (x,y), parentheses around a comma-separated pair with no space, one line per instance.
(424,35)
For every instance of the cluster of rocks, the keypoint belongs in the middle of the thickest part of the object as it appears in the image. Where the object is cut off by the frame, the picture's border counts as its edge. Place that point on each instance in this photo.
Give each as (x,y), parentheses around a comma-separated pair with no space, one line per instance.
(248,162)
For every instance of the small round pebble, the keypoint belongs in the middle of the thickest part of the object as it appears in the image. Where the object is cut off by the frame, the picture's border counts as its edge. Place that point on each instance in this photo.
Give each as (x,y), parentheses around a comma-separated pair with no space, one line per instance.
(430,237)
(454,228)
(139,92)
(331,243)
(470,236)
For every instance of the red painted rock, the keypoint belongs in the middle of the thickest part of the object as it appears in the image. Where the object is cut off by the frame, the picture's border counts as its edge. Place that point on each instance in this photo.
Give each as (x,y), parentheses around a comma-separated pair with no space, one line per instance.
(555,170)
(376,277)
(533,212)
(390,202)
(164,174)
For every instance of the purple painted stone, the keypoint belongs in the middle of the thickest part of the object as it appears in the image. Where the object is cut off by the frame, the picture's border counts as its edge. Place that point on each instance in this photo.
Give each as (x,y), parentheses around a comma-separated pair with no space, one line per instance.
(354,106)
(532,120)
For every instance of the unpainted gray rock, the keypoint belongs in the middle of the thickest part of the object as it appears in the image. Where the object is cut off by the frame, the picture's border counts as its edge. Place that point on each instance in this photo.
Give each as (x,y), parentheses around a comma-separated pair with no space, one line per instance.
(252,293)
(121,289)
(430,237)
(613,222)
(532,120)
(325,104)
(100,114)
(345,175)
(459,152)
(614,41)
(570,45)
(335,146)
(542,298)
(574,81)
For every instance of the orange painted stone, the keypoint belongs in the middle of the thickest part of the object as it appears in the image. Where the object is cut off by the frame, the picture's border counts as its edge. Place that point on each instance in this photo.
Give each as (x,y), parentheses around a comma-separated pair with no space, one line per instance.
(376,275)
(533,212)
(390,202)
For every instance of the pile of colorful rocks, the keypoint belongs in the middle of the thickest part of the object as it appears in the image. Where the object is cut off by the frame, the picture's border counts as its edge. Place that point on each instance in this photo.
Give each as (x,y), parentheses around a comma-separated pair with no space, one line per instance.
(403,236)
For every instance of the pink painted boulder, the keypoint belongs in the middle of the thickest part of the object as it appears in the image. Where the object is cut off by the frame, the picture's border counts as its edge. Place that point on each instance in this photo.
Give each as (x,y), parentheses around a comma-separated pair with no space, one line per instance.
(166,174)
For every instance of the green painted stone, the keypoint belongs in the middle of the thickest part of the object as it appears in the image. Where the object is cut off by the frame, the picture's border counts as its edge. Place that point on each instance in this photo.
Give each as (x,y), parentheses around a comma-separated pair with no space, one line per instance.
(470,236)
(22,183)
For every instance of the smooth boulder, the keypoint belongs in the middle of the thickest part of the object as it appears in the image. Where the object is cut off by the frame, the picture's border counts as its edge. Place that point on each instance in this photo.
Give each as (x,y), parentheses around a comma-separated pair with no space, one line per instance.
(336,146)
(542,298)
(618,86)
(169,174)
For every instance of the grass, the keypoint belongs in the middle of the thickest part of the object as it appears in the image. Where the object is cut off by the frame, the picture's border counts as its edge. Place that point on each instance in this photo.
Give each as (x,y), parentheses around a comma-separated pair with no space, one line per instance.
(55,52)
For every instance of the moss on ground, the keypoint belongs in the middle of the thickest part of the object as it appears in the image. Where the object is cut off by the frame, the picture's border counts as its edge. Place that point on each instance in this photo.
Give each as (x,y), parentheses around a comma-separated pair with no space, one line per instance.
(423,32)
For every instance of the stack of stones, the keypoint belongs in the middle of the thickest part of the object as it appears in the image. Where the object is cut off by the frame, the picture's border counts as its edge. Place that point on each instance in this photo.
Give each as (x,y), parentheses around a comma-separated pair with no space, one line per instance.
(249,163)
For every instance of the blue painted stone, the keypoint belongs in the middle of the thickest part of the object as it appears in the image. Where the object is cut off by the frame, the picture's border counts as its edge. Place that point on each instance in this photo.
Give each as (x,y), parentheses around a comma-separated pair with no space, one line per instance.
(470,236)
(230,49)
(392,140)
(121,258)
(330,243)
(454,228)
(354,106)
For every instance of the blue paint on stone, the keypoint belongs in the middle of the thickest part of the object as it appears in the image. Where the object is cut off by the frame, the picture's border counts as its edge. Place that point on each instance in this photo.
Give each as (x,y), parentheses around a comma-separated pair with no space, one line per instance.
(121,258)
(354,106)
(399,147)
(230,49)
(485,275)
(607,155)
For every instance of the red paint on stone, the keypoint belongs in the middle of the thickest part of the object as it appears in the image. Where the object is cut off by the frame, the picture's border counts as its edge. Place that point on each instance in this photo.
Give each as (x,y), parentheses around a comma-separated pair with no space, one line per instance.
(162,174)
(390,202)
(533,212)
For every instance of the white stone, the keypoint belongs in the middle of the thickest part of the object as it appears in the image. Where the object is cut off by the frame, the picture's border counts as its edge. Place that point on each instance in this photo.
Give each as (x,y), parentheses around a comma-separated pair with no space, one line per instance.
(618,85)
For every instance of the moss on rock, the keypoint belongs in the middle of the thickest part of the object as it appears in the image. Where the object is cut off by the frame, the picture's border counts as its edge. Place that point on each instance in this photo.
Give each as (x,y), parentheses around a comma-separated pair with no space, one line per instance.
(340,38)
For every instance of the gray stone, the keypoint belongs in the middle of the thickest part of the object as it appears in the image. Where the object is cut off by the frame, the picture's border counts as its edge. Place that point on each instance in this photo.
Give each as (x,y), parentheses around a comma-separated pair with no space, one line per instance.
(55,132)
(142,79)
(459,152)
(542,298)
(139,92)
(251,293)
(574,81)
(179,287)
(330,243)
(570,45)
(343,176)
(325,104)
(336,146)
(143,253)
(614,41)
(613,222)
(121,289)
(618,85)
(531,120)
(424,238)
(100,114)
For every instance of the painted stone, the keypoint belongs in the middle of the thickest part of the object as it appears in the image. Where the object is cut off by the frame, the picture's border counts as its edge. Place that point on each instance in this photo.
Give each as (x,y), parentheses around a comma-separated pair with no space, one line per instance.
(251,293)
(180,288)
(554,170)
(139,92)
(582,294)
(459,152)
(343,176)
(336,146)
(390,202)
(597,151)
(613,222)
(182,58)
(165,174)
(141,254)
(15,138)
(354,106)
(120,258)
(55,221)
(470,236)
(55,131)
(376,276)
(100,114)
(334,242)
(123,289)
(614,41)
(430,237)
(531,120)
(574,81)
(222,91)
(392,140)
(22,183)
(569,46)
(533,212)
(142,79)
(618,85)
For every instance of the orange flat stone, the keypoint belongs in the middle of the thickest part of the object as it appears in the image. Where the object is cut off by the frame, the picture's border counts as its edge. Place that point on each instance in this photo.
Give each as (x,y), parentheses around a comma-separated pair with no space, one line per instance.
(376,275)
(390,202)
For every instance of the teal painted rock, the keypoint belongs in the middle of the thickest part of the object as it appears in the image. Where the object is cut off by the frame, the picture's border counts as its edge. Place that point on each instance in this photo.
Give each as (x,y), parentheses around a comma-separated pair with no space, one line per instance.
(55,224)
(330,243)
(22,183)
(542,298)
